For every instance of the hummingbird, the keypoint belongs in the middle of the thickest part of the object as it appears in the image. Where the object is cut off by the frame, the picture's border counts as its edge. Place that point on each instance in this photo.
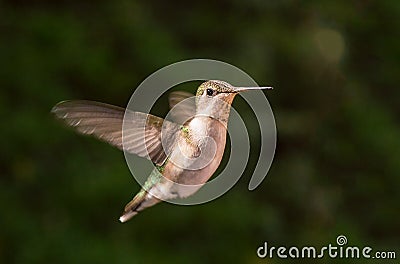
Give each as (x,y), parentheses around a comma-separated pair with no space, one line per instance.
(185,151)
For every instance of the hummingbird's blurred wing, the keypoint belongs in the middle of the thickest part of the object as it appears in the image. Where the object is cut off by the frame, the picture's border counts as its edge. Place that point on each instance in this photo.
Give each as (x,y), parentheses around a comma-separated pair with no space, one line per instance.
(142,132)
(183,106)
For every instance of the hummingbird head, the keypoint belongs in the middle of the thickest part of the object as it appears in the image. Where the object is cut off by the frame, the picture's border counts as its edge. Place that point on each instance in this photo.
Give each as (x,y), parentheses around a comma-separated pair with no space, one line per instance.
(214,97)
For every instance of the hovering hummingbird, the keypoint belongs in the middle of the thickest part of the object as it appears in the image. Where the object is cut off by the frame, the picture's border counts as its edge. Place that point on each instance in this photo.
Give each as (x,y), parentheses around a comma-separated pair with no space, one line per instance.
(186,151)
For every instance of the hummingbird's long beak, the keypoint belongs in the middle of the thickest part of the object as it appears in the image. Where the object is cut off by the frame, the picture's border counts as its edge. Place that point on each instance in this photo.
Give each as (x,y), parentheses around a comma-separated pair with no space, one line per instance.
(243,89)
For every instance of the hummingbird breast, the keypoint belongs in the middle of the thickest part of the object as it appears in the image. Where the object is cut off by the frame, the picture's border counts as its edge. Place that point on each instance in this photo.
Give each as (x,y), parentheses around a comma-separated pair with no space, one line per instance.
(196,156)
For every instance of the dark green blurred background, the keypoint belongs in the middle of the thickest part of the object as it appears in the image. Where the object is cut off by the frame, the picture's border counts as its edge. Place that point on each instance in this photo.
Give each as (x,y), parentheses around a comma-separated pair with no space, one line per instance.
(335,66)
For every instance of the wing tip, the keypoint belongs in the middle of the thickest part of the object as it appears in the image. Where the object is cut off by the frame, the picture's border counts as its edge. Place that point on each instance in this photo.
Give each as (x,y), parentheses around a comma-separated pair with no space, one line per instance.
(57,109)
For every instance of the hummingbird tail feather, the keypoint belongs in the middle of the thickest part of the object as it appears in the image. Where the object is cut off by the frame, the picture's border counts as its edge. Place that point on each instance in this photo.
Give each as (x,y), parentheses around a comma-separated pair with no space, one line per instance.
(126,216)
(140,202)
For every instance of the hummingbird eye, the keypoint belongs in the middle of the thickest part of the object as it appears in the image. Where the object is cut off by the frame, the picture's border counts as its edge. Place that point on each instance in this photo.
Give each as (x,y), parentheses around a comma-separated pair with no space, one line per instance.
(210,92)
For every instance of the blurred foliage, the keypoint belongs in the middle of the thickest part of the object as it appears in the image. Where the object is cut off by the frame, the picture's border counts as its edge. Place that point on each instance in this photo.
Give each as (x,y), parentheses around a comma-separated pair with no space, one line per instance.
(335,66)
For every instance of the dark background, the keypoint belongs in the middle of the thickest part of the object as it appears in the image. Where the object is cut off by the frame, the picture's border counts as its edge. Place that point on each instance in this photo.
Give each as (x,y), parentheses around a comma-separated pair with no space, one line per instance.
(335,68)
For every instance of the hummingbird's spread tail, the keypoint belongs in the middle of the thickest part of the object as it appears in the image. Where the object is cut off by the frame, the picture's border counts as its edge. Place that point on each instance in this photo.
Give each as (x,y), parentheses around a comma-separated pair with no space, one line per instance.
(140,202)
